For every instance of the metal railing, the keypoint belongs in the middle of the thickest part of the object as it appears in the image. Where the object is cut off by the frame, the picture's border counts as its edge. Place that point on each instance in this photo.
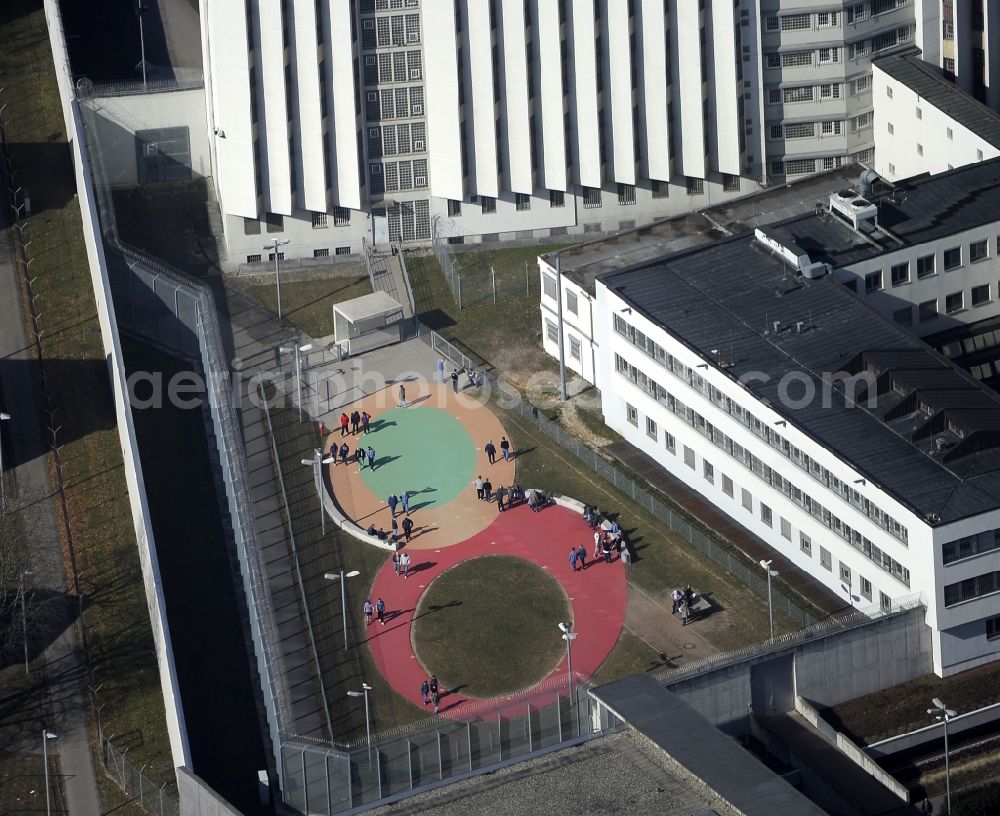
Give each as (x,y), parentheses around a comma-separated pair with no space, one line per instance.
(134,87)
(740,568)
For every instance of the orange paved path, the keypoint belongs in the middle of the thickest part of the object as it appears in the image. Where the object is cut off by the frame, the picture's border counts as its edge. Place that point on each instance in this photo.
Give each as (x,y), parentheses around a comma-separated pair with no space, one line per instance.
(435,526)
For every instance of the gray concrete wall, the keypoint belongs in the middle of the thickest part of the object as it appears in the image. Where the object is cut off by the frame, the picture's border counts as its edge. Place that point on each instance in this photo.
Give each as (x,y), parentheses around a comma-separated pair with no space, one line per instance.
(828,670)
(198,799)
(864,660)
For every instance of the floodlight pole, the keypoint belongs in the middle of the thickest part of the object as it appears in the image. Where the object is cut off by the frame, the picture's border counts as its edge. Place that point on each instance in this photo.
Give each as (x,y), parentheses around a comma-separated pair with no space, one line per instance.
(275,243)
(342,577)
(368,721)
(3,495)
(316,464)
(569,636)
(942,712)
(46,736)
(24,622)
(770,607)
(140,9)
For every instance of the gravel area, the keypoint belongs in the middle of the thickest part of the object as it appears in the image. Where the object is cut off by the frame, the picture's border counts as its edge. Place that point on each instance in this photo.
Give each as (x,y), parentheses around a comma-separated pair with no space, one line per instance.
(620,773)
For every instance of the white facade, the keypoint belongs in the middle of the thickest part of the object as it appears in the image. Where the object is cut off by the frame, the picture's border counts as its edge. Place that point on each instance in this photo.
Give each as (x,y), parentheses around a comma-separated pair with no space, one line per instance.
(767,486)
(526,120)
(913,136)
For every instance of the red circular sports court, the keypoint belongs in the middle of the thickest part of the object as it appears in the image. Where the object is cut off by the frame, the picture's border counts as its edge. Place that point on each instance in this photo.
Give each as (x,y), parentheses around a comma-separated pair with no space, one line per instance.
(596,595)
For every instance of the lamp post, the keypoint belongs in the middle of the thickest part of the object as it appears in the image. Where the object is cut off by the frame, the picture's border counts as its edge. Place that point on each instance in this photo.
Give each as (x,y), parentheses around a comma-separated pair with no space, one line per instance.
(315,463)
(24,621)
(297,350)
(46,736)
(342,577)
(140,9)
(569,636)
(275,243)
(3,496)
(368,721)
(943,713)
(770,608)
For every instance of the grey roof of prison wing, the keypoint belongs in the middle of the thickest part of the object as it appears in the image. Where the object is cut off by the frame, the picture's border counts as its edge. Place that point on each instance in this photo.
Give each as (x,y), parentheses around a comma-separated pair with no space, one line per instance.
(726,296)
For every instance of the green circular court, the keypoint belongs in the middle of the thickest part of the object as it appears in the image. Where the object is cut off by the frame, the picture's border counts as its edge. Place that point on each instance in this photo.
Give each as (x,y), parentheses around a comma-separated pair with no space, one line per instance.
(426,451)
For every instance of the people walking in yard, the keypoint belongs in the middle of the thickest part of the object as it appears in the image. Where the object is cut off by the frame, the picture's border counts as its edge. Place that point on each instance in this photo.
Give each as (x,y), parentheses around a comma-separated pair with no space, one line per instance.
(487,490)
(344,422)
(454,380)
(505,448)
(365,419)
(436,699)
(581,556)
(479,487)
(597,543)
(395,562)
(404,564)
(572,558)
(491,451)
(606,550)
(615,528)
(369,611)
(676,597)
(434,684)
(345,451)
(441,368)
(407,527)
(404,500)
(380,610)
(395,531)
(402,397)
(425,691)
(626,555)
(501,492)
(392,501)
(685,610)
(371,457)
(359,455)
(355,421)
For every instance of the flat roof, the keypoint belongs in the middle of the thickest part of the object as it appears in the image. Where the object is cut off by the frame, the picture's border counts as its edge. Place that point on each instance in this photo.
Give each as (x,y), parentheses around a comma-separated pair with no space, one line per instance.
(582,263)
(930,436)
(929,83)
(374,305)
(611,774)
(690,740)
(915,211)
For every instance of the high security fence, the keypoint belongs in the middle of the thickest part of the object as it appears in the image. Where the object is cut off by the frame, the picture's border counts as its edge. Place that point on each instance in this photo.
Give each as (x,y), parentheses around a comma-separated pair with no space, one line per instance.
(320,779)
(740,568)
(474,285)
(153,798)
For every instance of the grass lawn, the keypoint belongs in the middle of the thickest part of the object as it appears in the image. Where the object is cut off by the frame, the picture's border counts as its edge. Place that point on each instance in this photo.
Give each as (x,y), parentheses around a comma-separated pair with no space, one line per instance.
(308,305)
(483,626)
(104,550)
(903,708)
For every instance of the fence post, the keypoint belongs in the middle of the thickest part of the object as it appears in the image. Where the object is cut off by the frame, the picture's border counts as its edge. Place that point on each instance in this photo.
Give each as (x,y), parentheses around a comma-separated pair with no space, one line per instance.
(493,280)
(527,280)
(458,286)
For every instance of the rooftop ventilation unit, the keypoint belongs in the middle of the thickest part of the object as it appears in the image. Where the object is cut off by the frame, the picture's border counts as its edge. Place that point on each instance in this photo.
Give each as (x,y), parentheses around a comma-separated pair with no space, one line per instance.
(816,269)
(852,207)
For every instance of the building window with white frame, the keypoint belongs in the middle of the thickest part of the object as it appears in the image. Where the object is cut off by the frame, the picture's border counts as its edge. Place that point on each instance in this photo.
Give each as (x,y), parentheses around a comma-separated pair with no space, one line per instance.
(522,201)
(865,587)
(900,273)
(626,194)
(488,205)
(708,470)
(952,258)
(766,515)
(549,285)
(319,220)
(727,486)
(574,347)
(825,559)
(454,208)
(669,442)
(845,573)
(689,457)
(651,430)
(695,186)
(572,305)
(954,302)
(925,266)
(786,528)
(805,544)
(632,414)
(551,331)
(993,627)
(321,253)
(747,500)
(660,189)
(979,251)
(253,258)
(730,183)
(557,198)
(981,295)
(873,281)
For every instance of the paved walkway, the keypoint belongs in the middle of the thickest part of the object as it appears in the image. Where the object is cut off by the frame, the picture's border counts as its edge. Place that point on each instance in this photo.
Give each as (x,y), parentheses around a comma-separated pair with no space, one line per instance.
(63,659)
(596,594)
(660,479)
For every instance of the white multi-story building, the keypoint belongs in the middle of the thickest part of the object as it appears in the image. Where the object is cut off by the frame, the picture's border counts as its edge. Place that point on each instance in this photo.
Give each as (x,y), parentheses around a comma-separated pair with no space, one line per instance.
(489,120)
(751,371)
(923,123)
